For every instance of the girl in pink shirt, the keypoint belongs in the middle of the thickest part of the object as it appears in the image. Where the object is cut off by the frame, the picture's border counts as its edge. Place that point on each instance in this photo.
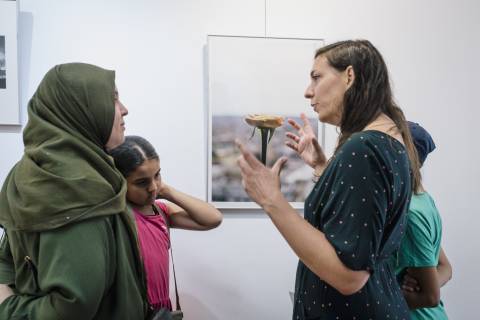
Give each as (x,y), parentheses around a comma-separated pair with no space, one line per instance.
(139,163)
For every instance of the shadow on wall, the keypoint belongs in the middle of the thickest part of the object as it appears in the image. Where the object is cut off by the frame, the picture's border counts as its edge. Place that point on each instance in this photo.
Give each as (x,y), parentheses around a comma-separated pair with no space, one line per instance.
(196,308)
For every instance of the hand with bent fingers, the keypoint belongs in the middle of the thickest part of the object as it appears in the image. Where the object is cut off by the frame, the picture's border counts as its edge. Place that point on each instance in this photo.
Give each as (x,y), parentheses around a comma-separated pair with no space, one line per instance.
(305,143)
(409,283)
(262,184)
(163,190)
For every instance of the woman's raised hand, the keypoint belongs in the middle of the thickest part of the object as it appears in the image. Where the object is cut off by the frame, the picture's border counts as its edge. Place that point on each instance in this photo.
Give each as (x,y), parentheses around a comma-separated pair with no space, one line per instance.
(262,184)
(305,143)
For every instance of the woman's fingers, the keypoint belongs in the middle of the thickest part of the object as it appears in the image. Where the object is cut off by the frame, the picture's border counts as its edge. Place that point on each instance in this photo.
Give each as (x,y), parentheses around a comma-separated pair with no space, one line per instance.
(304,118)
(250,159)
(410,279)
(292,146)
(292,136)
(244,167)
(294,124)
(306,122)
(409,283)
(279,164)
(407,288)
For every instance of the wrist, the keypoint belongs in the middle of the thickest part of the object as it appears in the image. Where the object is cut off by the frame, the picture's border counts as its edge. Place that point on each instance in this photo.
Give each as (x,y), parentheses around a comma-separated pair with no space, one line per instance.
(272,203)
(317,172)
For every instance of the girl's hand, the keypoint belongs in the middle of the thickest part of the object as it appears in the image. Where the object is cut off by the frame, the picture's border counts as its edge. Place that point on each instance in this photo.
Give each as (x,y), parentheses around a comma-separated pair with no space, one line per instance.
(262,184)
(305,143)
(163,190)
(409,283)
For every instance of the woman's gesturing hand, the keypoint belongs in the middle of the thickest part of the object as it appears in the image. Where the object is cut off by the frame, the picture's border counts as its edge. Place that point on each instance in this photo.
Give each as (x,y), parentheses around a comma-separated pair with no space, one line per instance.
(305,143)
(262,184)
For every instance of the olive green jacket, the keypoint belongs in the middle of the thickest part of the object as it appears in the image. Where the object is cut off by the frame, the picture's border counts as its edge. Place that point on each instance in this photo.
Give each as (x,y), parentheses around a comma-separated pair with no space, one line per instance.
(79,271)
(70,249)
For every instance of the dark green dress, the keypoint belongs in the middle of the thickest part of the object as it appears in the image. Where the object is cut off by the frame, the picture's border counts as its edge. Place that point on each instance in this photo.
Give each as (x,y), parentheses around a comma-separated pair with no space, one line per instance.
(360,204)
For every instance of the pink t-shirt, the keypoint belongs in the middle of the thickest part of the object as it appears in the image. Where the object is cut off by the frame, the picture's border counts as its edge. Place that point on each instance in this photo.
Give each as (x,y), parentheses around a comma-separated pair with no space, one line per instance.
(154,244)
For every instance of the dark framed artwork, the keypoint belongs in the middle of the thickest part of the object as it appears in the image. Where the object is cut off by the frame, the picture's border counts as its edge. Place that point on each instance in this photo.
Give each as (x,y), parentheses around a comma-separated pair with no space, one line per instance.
(9,106)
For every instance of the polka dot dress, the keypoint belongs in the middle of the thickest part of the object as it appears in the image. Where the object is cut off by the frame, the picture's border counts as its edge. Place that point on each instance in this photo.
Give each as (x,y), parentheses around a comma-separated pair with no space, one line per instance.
(360,204)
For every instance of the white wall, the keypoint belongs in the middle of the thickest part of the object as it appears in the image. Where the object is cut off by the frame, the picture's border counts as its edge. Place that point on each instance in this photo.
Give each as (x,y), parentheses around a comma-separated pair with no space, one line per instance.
(244,269)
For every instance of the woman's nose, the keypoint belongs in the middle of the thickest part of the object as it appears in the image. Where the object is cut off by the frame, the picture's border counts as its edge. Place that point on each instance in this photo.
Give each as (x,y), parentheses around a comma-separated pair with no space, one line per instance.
(308,92)
(123,109)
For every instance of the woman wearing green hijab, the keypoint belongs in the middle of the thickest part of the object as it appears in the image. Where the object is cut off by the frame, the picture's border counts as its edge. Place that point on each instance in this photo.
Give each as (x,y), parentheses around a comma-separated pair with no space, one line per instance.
(69,250)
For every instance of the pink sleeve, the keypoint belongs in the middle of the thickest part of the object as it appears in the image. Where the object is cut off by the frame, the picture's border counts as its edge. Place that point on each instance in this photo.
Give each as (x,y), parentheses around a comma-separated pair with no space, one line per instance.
(164,208)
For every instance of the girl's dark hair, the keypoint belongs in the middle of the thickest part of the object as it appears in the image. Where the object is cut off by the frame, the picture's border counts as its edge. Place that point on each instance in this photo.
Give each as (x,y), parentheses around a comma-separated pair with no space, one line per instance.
(132,153)
(370,94)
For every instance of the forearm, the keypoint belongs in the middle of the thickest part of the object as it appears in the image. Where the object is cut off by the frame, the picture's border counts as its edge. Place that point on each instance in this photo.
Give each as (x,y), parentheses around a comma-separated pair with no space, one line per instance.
(30,307)
(53,305)
(311,246)
(199,211)
(444,269)
(420,299)
(444,275)
(429,293)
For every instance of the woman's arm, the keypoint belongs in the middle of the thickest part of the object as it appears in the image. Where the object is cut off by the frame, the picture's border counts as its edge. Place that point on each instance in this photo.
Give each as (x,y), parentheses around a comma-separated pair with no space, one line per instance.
(72,276)
(311,246)
(428,295)
(444,269)
(187,212)
(308,243)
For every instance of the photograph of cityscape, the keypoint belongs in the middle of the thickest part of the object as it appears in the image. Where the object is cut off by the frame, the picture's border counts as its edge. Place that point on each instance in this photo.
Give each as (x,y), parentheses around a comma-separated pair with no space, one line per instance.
(296,177)
(256,76)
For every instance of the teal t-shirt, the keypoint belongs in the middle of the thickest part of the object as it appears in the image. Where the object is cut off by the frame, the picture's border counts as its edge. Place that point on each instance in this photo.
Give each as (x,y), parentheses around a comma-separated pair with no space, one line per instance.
(420,246)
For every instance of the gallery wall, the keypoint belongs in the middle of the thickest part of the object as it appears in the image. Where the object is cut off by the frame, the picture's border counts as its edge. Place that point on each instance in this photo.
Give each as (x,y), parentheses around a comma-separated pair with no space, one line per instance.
(244,269)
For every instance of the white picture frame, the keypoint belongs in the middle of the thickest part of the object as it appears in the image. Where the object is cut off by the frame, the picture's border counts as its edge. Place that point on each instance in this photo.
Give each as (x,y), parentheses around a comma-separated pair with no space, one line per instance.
(9,105)
(249,75)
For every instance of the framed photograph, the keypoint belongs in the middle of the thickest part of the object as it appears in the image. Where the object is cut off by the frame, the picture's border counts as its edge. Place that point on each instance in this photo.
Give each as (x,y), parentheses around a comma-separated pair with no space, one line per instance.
(263,76)
(9,107)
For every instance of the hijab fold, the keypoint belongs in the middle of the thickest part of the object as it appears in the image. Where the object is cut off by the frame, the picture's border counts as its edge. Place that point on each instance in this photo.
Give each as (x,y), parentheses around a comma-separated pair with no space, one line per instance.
(65,175)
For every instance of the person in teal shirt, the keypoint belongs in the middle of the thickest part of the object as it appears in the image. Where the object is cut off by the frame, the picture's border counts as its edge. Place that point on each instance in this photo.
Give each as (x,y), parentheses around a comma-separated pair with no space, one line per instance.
(421,265)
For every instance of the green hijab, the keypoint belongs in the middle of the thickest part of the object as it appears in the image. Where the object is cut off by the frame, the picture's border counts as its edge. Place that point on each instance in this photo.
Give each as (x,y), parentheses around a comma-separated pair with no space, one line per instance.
(65,174)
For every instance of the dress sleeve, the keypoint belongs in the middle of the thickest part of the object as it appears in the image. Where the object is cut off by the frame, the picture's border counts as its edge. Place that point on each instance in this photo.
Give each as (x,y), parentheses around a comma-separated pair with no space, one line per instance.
(353,216)
(163,206)
(74,267)
(417,249)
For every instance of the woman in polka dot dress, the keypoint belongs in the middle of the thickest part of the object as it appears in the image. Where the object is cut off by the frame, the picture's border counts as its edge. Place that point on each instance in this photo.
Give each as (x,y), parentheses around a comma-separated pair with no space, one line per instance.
(354,218)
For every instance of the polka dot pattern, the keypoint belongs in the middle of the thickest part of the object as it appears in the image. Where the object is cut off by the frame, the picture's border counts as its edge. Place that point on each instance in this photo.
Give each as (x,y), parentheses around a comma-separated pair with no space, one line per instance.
(360,204)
